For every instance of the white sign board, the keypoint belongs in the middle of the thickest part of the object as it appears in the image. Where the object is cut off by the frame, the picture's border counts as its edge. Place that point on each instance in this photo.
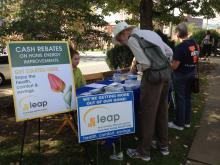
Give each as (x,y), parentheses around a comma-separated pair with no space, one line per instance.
(42,79)
(105,115)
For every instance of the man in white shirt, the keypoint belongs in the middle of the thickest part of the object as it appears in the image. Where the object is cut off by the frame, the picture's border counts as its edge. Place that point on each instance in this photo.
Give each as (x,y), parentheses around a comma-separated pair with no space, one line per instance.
(153,98)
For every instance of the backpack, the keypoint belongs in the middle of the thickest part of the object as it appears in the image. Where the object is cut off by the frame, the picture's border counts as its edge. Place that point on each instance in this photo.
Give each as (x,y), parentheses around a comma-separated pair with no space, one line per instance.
(160,69)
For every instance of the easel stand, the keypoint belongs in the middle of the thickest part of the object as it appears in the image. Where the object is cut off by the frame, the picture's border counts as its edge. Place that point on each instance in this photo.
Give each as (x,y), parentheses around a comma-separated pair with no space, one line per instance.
(23,139)
(68,121)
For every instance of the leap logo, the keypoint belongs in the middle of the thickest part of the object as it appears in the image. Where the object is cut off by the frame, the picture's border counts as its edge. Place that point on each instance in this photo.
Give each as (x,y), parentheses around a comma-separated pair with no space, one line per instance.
(26,107)
(31,102)
(96,119)
(91,122)
(38,104)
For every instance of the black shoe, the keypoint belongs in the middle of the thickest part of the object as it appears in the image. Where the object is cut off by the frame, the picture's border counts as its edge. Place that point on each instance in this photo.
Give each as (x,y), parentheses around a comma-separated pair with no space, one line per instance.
(133,153)
(163,150)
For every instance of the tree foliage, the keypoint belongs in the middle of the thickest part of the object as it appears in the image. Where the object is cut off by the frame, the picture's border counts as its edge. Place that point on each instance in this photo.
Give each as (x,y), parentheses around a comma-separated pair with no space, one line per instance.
(55,20)
(60,19)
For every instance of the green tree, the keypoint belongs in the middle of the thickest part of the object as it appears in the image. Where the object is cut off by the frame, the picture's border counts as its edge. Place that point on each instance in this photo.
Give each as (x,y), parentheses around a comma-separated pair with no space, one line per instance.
(55,20)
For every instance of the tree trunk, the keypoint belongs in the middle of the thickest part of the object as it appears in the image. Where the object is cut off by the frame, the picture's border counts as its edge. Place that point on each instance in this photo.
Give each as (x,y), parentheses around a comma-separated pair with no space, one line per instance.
(146,10)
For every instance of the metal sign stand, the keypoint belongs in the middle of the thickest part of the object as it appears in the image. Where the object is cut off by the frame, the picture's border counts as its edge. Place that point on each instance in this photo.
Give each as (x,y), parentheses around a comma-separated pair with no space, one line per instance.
(117,156)
(23,140)
(88,159)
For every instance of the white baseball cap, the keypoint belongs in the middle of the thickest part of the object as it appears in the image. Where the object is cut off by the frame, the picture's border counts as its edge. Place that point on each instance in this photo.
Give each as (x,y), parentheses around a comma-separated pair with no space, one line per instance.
(120,27)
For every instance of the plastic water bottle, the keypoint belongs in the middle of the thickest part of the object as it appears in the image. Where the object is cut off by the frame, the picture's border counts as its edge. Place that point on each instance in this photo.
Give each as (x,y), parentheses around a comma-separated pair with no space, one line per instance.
(117,75)
(118,71)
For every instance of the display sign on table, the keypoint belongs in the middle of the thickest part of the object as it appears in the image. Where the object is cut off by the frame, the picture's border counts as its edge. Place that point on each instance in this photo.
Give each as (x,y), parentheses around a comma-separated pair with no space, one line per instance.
(42,78)
(105,115)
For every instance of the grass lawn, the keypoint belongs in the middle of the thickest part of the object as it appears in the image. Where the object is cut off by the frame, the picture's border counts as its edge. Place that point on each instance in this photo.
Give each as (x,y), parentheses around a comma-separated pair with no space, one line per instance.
(64,149)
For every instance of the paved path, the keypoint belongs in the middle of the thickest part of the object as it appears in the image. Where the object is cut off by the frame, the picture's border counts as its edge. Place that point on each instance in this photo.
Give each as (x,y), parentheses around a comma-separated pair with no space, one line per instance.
(93,67)
(206,145)
(93,62)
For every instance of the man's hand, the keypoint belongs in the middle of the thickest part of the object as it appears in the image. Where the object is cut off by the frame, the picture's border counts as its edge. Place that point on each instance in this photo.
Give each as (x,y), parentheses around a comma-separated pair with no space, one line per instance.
(175,64)
(133,68)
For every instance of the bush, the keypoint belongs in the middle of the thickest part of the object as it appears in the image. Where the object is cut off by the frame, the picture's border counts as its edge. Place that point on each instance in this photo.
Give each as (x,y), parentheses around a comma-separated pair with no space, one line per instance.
(119,56)
(200,34)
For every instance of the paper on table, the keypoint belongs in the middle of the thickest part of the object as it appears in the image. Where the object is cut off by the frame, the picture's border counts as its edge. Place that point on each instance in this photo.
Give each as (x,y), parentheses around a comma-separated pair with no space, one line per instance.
(85,94)
(115,84)
(95,85)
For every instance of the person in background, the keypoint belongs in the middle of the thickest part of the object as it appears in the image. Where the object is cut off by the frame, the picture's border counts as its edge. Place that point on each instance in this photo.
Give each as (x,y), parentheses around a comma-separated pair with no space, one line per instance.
(78,77)
(153,98)
(184,67)
(207,44)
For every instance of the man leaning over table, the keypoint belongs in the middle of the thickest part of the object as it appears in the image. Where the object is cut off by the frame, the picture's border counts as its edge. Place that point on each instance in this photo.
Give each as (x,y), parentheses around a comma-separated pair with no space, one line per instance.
(153,98)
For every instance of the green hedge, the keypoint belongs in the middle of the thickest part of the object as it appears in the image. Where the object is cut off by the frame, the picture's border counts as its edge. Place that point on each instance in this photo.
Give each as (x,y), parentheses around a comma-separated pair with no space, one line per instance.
(200,34)
(119,56)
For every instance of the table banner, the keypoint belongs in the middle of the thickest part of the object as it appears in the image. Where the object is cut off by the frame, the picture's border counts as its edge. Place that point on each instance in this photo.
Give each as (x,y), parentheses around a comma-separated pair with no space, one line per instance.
(105,115)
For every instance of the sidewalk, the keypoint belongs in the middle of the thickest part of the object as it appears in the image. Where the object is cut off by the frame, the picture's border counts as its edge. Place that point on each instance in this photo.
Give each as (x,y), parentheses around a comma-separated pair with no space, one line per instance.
(205,148)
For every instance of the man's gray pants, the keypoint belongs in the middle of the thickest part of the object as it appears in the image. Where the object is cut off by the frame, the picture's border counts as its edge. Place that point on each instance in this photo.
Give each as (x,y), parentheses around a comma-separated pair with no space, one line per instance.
(153,114)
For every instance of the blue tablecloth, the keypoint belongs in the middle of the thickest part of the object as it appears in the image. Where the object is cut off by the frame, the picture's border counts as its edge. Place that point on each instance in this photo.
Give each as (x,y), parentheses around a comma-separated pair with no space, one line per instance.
(136,93)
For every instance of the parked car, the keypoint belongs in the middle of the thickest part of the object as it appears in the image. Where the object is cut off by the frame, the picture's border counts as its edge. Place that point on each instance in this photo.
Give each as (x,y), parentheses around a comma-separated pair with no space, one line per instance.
(4,69)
